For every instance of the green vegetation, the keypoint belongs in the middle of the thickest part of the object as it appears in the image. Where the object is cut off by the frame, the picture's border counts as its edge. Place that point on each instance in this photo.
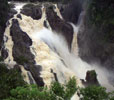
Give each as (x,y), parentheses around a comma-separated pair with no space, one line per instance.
(94,93)
(64,91)
(71,88)
(100,14)
(33,92)
(101,11)
(12,87)
(9,79)
(56,91)
(1,59)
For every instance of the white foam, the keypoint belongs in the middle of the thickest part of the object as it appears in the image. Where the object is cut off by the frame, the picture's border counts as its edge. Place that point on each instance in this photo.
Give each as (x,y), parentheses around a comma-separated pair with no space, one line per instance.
(18,6)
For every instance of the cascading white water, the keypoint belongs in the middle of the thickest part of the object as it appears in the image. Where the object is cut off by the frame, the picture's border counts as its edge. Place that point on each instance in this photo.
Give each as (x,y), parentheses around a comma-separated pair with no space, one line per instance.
(58,44)
(51,52)
(8,44)
(42,39)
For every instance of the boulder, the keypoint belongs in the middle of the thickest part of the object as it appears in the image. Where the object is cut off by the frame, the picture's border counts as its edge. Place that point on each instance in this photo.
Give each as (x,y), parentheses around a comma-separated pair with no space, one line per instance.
(4,53)
(11,13)
(33,11)
(19,16)
(91,78)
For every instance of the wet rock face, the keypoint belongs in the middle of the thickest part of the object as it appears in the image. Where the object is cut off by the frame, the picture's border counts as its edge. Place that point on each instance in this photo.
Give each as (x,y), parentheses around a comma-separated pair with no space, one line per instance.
(19,16)
(4,9)
(11,13)
(4,53)
(21,51)
(96,36)
(21,42)
(35,71)
(60,26)
(33,11)
(2,28)
(1,35)
(71,11)
(93,50)
(11,5)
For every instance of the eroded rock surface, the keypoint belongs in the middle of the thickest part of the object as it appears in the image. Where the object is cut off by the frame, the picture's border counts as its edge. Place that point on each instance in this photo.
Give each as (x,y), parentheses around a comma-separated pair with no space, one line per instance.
(21,51)
(60,26)
(71,11)
(32,10)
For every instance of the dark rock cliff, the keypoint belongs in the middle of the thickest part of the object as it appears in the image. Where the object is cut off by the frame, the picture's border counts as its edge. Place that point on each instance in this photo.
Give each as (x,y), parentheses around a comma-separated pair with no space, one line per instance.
(4,9)
(60,26)
(91,78)
(6,12)
(96,35)
(72,10)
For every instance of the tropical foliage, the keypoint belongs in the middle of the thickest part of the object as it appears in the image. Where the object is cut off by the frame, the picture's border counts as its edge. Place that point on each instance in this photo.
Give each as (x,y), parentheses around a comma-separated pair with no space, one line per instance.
(9,79)
(12,87)
(100,13)
(33,92)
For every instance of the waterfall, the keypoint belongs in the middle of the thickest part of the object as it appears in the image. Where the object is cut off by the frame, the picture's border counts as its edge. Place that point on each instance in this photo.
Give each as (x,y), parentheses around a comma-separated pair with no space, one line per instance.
(47,51)
(51,51)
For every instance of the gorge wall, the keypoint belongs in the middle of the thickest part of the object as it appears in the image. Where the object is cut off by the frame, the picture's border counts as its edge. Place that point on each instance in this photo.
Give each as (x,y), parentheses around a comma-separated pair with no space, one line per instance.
(96,34)
(41,39)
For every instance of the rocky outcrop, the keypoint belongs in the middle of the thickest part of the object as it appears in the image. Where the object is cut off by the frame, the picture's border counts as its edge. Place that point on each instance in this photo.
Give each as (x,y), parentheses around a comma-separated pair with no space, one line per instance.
(1,35)
(60,26)
(19,16)
(21,51)
(21,42)
(32,10)
(4,53)
(91,78)
(11,13)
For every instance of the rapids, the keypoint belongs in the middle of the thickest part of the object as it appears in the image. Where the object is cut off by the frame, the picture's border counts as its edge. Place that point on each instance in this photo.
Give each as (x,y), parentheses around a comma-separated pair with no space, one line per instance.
(51,51)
